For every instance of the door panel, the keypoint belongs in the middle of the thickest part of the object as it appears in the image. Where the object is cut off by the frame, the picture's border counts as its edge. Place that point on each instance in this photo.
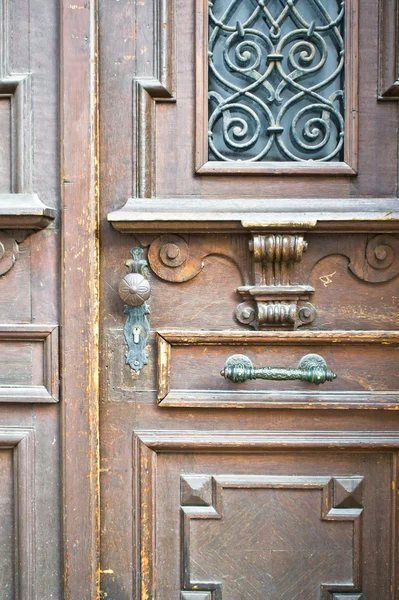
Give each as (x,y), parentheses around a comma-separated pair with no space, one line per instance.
(30,498)
(212,487)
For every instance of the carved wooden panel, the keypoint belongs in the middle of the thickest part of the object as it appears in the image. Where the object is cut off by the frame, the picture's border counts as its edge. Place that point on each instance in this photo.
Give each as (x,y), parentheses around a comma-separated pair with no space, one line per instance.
(189,365)
(260,535)
(28,363)
(260,515)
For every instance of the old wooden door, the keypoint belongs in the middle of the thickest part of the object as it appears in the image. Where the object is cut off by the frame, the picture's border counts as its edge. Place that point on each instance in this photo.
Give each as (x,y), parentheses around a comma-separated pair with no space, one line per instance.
(248,176)
(226,213)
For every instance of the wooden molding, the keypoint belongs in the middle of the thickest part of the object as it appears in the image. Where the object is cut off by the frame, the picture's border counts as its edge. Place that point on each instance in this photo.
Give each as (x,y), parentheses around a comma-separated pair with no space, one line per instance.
(20,208)
(347,167)
(148,89)
(47,336)
(80,299)
(252,441)
(204,215)
(388,66)
(21,440)
(24,211)
(148,444)
(319,398)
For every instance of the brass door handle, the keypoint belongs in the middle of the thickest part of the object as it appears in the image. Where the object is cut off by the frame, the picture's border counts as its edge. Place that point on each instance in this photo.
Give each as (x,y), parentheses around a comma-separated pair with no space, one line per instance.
(311,368)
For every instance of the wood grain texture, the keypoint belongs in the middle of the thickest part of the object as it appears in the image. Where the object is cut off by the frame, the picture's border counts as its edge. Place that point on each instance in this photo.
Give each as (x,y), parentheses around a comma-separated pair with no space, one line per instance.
(388,66)
(16,87)
(155,83)
(188,371)
(21,440)
(282,561)
(30,376)
(148,154)
(288,467)
(79,284)
(204,215)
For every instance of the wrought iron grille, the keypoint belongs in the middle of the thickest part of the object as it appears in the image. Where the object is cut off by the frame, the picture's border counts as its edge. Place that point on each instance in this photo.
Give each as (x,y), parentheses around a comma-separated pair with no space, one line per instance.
(276,80)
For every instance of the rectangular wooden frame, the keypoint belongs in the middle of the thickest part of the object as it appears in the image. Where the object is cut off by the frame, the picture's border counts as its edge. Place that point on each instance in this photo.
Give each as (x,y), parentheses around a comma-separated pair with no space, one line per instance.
(21,440)
(318,399)
(388,67)
(347,167)
(148,444)
(48,336)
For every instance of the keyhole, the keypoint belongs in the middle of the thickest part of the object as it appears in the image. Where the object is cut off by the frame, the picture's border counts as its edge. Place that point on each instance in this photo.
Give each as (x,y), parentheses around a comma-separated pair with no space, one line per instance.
(136,335)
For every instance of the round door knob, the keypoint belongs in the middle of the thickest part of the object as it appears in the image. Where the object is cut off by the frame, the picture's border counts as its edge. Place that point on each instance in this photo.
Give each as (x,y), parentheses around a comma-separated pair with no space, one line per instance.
(134,289)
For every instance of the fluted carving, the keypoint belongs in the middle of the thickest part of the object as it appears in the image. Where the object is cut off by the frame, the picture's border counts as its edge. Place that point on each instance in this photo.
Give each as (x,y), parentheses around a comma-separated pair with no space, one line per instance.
(275,299)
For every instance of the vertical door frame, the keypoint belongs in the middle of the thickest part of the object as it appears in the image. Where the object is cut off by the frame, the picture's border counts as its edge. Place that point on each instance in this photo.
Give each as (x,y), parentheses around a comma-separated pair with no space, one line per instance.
(80,298)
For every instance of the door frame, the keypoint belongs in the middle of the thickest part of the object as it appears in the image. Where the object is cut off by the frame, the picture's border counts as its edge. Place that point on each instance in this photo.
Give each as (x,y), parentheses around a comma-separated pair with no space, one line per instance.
(79,298)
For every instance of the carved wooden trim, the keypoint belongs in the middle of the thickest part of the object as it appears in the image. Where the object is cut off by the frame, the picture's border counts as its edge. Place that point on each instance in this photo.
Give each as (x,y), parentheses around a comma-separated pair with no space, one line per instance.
(22,442)
(276,298)
(348,507)
(147,444)
(317,399)
(374,260)
(24,211)
(388,66)
(180,215)
(250,441)
(8,252)
(20,208)
(17,87)
(177,259)
(150,89)
(347,167)
(41,334)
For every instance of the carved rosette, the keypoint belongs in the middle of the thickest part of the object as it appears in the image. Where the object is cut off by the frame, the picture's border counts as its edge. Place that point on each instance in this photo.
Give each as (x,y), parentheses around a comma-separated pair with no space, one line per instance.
(276,299)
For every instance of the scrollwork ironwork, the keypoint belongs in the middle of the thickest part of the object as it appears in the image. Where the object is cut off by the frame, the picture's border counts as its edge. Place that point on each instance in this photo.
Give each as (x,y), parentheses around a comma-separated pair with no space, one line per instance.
(276,80)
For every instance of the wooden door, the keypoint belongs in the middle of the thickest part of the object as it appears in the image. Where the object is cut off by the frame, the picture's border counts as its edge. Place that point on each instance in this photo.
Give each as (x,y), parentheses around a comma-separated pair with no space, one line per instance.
(249,172)
(199,261)
(262,212)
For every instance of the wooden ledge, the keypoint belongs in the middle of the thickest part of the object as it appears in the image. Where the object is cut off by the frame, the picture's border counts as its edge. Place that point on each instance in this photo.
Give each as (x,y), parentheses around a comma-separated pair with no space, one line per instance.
(235,215)
(24,211)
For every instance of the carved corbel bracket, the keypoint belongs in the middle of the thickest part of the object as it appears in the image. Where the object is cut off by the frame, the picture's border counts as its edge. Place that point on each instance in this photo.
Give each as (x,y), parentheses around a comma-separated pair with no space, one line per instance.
(276,299)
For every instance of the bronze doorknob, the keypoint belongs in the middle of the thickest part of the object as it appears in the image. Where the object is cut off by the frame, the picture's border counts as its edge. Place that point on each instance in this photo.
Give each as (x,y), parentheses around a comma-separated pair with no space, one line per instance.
(134,289)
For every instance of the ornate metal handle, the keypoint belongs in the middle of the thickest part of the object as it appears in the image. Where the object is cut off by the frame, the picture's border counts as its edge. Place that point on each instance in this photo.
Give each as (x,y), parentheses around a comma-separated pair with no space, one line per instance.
(311,368)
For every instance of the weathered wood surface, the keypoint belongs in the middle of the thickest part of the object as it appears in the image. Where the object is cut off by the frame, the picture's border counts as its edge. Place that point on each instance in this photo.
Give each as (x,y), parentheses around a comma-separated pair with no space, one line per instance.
(196,228)
(80,301)
(30,441)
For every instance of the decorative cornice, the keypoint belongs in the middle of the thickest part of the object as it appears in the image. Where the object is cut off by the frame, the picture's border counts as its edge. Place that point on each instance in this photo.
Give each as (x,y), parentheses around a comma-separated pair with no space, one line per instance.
(165,215)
